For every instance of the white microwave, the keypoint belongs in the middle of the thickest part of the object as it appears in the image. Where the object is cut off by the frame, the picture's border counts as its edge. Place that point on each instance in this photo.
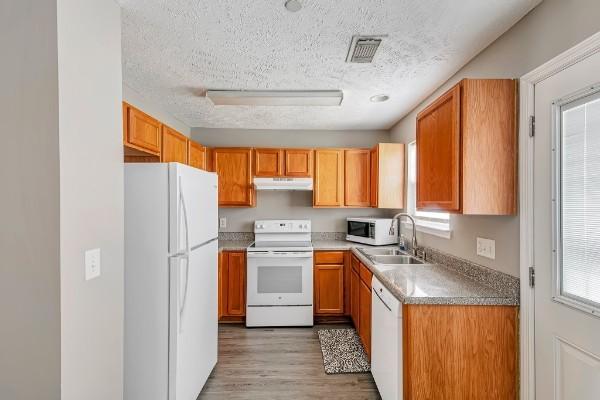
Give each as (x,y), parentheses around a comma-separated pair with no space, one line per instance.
(373,231)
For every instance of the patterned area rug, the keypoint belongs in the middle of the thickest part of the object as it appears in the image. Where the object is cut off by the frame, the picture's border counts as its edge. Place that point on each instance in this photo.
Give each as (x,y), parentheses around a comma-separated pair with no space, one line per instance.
(342,351)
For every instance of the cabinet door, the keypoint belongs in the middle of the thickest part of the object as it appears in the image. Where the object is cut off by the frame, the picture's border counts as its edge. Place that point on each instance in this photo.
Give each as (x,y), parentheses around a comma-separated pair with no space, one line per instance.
(354,299)
(357,178)
(438,154)
(234,168)
(365,316)
(236,284)
(329,178)
(298,162)
(268,162)
(142,131)
(174,146)
(222,287)
(374,178)
(329,289)
(196,155)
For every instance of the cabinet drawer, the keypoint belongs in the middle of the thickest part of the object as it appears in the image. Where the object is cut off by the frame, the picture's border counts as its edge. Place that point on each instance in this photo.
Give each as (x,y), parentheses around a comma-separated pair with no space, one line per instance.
(329,257)
(366,275)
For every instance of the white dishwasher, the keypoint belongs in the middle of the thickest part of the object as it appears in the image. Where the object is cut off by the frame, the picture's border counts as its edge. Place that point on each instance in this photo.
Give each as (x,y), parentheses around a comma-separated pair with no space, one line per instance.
(386,342)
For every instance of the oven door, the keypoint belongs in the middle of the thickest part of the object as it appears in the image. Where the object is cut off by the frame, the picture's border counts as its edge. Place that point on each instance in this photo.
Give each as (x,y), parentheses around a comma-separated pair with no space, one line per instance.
(278,278)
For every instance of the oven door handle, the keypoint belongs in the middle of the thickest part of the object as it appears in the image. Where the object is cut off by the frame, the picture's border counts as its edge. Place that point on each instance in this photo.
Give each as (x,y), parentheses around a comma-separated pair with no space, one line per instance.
(268,254)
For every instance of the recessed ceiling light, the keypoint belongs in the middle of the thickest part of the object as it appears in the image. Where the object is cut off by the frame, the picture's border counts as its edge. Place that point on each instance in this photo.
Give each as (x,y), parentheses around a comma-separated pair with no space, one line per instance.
(293,5)
(380,98)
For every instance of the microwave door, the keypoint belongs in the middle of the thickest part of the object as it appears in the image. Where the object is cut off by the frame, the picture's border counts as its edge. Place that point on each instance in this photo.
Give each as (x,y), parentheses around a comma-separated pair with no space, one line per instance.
(359,229)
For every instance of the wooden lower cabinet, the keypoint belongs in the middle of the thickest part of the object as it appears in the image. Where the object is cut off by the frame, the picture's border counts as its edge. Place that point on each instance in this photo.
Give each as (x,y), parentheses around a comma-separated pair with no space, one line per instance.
(364,315)
(232,285)
(457,352)
(360,301)
(354,298)
(329,289)
(329,277)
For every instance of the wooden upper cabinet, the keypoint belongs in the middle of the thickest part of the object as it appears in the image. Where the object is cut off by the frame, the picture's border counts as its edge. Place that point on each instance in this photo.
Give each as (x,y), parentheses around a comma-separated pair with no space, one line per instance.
(268,162)
(357,178)
(197,155)
(329,178)
(298,162)
(467,149)
(174,146)
(141,131)
(489,146)
(387,175)
(234,168)
(438,153)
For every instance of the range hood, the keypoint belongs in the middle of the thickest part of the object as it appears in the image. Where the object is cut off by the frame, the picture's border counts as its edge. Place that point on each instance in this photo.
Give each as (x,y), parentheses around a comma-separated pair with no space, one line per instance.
(283,183)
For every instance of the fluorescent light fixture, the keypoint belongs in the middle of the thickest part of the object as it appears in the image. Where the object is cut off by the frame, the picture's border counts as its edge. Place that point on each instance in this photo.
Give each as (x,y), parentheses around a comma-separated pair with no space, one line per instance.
(275,97)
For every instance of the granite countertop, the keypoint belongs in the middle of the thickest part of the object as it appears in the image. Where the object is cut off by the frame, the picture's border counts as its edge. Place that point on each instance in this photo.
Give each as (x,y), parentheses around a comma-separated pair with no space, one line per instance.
(443,279)
(436,284)
(235,245)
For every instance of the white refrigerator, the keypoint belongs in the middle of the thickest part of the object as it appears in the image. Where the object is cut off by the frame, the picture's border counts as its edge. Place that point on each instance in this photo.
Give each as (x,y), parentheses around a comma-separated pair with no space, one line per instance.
(170,280)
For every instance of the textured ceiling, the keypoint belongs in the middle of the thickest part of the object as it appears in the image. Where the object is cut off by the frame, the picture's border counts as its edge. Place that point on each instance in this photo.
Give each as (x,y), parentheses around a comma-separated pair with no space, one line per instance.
(173,50)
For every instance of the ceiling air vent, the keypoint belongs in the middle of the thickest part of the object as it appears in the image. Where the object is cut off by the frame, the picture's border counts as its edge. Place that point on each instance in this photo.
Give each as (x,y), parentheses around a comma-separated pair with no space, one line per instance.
(363,48)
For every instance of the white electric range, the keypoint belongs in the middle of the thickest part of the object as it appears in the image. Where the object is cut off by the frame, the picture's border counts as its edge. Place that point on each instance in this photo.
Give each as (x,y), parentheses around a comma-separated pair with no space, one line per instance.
(279,288)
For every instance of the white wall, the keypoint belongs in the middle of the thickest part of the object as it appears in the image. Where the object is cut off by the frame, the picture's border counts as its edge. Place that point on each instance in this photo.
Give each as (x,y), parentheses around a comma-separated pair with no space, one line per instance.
(551,28)
(29,202)
(290,205)
(157,111)
(91,197)
(288,138)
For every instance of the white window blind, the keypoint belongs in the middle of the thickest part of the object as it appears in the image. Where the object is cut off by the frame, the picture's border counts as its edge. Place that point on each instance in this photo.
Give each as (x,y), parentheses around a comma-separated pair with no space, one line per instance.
(579,227)
(435,223)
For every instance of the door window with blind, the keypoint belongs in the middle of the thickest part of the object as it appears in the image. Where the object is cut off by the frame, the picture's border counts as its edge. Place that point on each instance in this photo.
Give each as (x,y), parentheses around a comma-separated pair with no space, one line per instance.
(577,201)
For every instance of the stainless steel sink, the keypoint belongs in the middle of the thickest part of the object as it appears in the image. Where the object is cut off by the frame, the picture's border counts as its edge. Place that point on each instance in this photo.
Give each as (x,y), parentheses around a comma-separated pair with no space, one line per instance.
(394,259)
(380,252)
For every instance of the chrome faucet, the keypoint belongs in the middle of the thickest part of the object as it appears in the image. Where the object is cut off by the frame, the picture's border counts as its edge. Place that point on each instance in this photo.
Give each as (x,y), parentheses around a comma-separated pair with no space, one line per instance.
(415,247)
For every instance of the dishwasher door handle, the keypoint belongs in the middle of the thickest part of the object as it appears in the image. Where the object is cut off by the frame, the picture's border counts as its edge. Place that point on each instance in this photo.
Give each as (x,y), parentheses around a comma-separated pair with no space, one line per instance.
(382,302)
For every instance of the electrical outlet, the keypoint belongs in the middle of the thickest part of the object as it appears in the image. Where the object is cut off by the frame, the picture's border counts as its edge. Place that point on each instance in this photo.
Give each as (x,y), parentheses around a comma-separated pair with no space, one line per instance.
(223,222)
(92,264)
(486,248)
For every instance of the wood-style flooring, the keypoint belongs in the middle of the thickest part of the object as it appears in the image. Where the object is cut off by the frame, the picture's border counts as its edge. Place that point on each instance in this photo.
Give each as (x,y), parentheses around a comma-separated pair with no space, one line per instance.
(279,363)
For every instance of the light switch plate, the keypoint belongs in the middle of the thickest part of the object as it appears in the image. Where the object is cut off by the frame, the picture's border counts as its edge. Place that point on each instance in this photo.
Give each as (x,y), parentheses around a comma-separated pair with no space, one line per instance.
(92,264)
(486,248)
(223,222)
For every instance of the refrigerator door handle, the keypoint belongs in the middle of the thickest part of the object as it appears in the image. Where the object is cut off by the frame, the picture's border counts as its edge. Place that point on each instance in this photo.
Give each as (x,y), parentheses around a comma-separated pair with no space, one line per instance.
(187,252)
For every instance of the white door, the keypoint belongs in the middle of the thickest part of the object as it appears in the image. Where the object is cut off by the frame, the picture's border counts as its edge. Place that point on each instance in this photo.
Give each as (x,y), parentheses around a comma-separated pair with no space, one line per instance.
(567,233)
(193,207)
(193,321)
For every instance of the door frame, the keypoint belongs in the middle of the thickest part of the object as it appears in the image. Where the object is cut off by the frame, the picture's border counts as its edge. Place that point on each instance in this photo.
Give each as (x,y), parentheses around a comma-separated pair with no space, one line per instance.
(528,81)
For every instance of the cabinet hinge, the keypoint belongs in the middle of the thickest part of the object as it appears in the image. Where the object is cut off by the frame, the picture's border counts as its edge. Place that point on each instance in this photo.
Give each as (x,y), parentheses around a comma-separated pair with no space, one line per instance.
(532,126)
(531,277)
